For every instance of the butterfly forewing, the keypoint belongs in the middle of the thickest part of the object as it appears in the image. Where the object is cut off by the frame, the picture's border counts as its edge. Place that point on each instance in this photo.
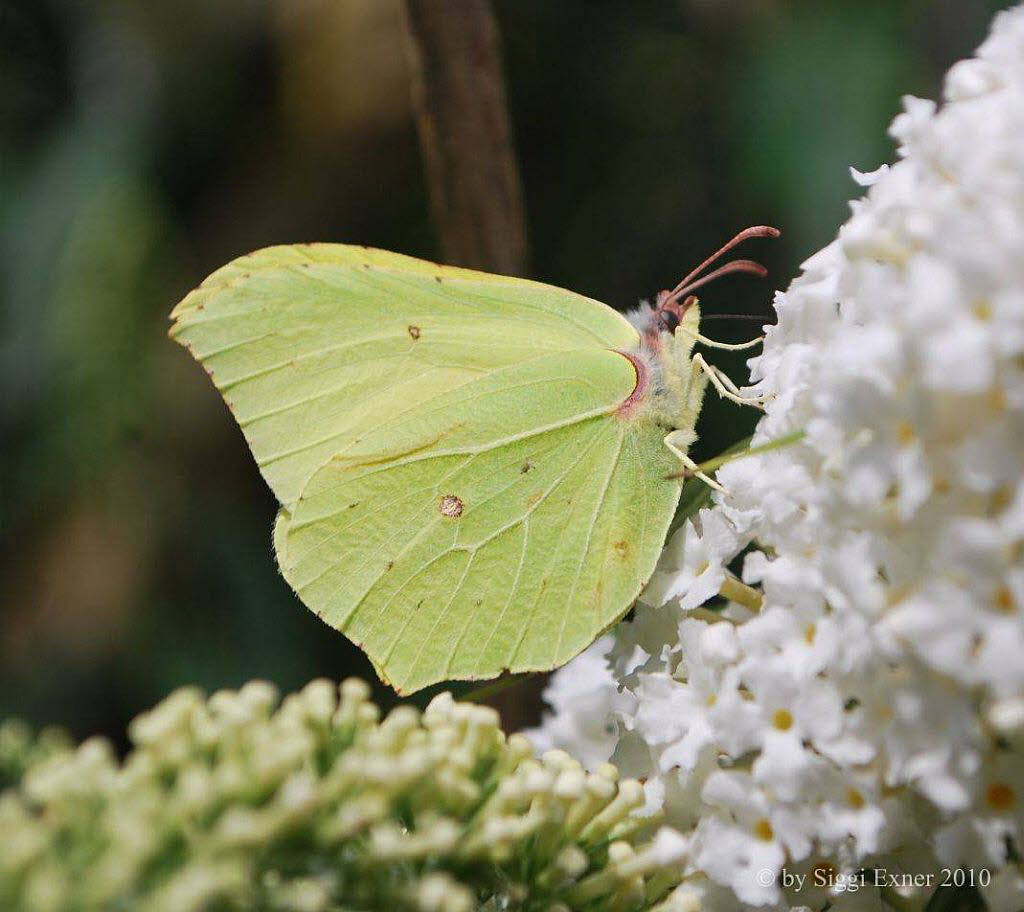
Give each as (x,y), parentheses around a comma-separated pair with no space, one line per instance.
(304,342)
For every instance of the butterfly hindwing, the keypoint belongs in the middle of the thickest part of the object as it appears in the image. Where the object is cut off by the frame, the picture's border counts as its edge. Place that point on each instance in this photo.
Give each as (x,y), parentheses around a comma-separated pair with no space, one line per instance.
(456,565)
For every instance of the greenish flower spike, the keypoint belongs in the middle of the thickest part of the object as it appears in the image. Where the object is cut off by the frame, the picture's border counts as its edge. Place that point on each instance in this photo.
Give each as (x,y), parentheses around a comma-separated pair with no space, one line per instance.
(238,803)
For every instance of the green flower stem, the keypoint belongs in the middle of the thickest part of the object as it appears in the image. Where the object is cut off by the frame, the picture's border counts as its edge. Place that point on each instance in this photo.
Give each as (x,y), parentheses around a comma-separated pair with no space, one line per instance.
(735,591)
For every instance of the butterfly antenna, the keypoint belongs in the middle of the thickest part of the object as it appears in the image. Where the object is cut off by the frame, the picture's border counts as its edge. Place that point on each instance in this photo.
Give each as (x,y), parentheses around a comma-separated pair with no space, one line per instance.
(690,282)
(748,266)
(751,318)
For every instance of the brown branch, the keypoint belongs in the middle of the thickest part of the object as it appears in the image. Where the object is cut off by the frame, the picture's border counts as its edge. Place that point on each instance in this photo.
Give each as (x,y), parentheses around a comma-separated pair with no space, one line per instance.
(465,133)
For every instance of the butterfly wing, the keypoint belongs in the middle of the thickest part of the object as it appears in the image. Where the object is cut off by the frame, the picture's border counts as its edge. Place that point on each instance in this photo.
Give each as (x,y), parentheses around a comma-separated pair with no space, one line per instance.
(307,342)
(459,494)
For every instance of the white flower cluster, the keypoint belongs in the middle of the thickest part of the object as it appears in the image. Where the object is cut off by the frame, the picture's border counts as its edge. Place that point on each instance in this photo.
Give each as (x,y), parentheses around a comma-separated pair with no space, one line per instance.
(236,803)
(869,715)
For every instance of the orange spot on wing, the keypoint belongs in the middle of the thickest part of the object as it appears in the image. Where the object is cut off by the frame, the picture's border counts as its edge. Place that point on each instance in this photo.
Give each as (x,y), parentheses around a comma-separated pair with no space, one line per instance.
(643,381)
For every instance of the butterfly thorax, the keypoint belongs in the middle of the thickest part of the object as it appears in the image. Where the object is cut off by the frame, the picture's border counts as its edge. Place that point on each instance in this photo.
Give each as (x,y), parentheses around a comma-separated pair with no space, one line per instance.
(669,388)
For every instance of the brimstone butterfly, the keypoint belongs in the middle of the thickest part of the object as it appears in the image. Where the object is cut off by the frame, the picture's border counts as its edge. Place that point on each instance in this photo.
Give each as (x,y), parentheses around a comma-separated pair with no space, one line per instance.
(476,473)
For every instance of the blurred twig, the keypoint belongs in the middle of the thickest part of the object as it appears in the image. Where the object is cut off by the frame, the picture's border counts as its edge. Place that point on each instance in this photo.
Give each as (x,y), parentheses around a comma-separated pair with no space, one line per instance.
(465,132)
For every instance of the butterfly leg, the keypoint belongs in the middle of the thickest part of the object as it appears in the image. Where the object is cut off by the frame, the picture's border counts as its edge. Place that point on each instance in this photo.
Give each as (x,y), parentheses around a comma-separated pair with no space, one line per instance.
(727,381)
(725,387)
(678,442)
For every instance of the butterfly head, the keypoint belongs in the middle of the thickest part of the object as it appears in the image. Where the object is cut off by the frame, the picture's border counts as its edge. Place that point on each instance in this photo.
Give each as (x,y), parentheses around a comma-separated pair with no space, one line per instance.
(677,307)
(670,327)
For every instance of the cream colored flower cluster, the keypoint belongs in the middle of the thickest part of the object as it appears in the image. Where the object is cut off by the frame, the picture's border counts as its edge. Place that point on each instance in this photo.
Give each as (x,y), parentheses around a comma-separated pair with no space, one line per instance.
(236,803)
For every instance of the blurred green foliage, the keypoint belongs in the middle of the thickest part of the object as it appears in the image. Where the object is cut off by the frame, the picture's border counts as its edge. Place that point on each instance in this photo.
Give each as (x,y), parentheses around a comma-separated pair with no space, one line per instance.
(143,144)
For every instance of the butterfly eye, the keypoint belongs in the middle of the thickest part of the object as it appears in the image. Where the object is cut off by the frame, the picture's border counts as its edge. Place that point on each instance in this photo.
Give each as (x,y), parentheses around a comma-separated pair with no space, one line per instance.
(669,319)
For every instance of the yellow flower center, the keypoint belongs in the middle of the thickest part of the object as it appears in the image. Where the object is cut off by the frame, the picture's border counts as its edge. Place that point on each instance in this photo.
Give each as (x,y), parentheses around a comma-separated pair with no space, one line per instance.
(1000,796)
(1004,600)
(1000,499)
(782,719)
(763,830)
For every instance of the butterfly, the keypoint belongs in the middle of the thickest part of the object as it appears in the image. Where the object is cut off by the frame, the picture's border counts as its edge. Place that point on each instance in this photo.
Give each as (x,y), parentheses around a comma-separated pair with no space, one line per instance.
(476,473)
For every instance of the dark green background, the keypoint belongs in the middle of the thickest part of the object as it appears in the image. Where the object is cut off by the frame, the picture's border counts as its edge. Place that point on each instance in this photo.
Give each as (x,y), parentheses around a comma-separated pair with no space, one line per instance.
(144,143)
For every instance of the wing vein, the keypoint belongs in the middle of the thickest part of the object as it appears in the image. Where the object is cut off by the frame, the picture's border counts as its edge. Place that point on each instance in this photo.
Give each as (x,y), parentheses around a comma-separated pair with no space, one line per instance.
(440,617)
(337,532)
(540,501)
(459,451)
(496,626)
(333,391)
(586,549)
(305,356)
(554,551)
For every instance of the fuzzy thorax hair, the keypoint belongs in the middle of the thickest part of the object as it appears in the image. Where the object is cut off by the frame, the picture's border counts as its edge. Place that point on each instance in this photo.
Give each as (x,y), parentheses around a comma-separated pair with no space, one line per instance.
(674,384)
